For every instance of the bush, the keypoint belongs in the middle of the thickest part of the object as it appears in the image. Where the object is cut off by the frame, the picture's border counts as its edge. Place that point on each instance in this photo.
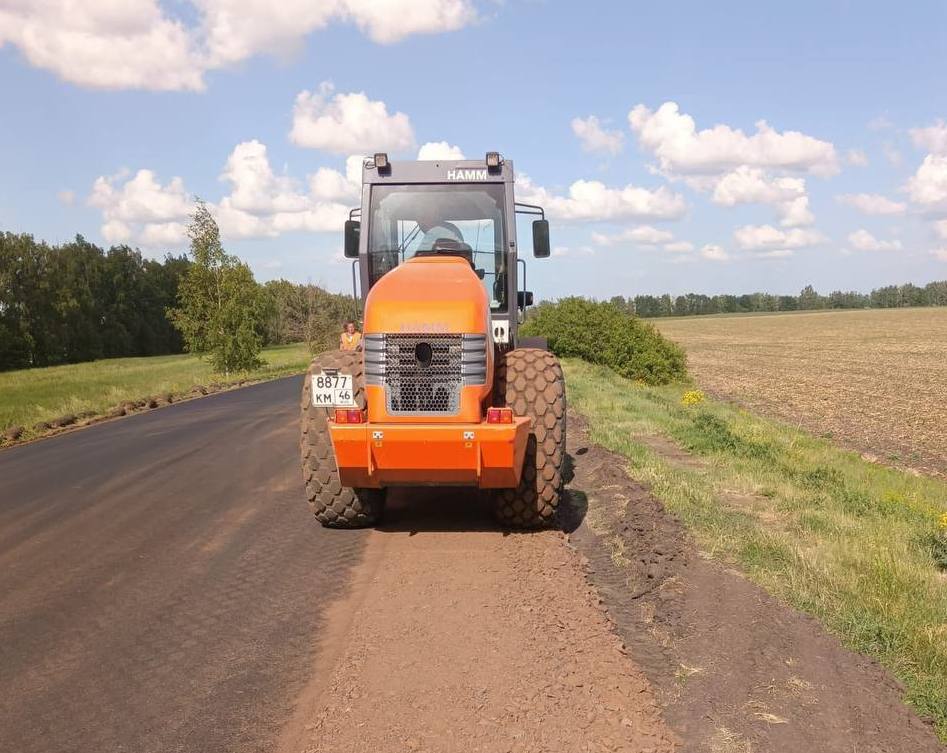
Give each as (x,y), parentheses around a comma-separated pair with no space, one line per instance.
(604,334)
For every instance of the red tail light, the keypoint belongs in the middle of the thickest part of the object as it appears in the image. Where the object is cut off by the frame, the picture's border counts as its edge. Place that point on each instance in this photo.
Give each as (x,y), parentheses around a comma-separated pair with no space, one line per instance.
(349,416)
(499,415)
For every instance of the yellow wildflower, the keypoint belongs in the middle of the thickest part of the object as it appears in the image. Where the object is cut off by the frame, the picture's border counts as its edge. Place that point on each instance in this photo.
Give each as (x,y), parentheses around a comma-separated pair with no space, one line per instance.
(692,397)
(942,522)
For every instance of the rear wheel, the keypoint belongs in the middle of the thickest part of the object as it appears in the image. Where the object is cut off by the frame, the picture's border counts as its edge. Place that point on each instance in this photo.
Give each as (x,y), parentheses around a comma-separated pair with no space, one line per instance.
(334,505)
(530,381)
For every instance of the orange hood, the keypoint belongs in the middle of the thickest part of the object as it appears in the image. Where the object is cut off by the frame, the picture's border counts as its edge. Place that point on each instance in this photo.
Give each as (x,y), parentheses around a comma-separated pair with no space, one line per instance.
(428,294)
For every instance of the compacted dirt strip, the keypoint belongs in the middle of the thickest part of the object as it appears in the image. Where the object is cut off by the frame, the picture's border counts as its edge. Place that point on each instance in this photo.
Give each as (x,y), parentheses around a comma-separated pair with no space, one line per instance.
(162,584)
(474,640)
(735,670)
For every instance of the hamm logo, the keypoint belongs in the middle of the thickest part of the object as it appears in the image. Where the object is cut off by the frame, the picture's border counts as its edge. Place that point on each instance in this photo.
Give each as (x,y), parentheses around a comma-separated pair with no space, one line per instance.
(460,174)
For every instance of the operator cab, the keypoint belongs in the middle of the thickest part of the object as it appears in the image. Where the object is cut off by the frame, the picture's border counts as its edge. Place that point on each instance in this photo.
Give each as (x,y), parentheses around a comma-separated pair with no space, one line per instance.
(460,208)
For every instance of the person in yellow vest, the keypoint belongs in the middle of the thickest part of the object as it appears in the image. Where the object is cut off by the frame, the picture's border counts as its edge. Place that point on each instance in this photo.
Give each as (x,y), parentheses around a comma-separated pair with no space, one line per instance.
(351,338)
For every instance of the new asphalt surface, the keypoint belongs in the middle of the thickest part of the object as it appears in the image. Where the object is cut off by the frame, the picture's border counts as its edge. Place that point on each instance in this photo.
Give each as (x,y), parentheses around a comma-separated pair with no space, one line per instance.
(162,581)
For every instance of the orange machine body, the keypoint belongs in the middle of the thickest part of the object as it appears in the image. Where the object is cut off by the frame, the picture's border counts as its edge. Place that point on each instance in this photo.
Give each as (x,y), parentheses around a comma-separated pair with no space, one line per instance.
(430,295)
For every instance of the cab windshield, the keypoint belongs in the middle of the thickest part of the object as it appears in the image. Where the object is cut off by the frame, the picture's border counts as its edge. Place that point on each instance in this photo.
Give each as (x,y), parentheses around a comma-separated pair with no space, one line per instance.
(461,220)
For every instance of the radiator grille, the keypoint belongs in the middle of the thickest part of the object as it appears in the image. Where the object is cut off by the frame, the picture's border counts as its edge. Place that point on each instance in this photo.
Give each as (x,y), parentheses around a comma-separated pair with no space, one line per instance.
(423,373)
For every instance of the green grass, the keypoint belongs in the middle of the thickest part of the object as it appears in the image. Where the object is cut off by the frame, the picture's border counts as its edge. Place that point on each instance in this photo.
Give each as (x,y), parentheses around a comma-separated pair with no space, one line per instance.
(30,396)
(856,544)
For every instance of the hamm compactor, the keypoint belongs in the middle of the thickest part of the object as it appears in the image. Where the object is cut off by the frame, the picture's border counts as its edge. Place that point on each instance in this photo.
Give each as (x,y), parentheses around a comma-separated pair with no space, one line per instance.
(444,392)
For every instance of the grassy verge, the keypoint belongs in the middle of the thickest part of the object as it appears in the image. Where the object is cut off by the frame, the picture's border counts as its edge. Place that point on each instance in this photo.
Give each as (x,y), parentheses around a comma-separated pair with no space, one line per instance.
(856,544)
(32,396)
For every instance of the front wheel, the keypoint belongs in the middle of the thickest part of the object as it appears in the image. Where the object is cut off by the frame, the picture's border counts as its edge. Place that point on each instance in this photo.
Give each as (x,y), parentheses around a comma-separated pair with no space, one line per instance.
(334,505)
(530,381)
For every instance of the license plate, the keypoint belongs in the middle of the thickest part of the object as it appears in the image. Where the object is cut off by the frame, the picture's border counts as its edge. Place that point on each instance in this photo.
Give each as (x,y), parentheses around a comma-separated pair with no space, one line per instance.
(332,390)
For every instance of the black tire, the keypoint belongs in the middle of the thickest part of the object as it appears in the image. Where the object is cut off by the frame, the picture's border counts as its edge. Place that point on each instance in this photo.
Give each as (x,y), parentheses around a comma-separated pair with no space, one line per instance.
(334,505)
(530,381)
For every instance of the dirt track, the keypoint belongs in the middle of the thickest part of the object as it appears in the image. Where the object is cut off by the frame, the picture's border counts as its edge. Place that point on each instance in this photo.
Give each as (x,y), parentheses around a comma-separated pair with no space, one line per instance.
(162,588)
(472,640)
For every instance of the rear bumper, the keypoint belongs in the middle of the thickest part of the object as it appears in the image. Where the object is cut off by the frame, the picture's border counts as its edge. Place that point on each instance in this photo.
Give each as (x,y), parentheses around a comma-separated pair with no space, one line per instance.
(377,455)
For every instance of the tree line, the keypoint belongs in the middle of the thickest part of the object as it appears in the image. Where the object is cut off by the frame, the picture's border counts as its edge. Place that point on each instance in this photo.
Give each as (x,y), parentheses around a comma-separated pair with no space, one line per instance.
(692,304)
(76,302)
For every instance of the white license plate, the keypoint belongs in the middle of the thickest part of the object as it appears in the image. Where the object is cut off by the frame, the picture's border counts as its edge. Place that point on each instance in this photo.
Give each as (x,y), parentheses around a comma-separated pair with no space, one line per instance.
(332,390)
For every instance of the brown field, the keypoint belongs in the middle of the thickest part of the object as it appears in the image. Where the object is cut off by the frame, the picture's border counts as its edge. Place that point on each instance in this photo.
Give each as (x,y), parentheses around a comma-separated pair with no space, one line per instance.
(872,380)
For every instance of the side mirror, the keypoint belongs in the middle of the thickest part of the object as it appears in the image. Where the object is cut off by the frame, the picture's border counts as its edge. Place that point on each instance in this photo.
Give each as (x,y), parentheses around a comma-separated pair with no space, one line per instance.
(352,230)
(524,298)
(541,239)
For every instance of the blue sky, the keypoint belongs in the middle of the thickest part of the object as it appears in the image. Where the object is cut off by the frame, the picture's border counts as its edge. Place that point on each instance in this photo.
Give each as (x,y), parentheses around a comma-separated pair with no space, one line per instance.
(845,185)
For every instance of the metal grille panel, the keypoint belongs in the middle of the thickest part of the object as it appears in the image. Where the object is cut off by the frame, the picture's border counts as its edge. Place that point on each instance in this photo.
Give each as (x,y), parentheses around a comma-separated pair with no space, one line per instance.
(423,373)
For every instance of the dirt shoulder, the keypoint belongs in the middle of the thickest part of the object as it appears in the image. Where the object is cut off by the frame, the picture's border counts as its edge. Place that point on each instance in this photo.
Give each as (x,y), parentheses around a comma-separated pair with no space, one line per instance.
(470,639)
(734,669)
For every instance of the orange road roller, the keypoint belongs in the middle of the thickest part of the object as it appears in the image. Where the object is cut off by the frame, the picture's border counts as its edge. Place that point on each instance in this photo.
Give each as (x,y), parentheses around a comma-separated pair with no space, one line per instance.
(443,391)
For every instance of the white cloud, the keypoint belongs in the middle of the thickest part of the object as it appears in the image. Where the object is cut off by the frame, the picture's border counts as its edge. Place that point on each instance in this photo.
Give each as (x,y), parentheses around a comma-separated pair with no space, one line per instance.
(163,235)
(344,123)
(751,185)
(775,242)
(892,155)
(856,158)
(567,251)
(331,185)
(940,228)
(870,203)
(932,138)
(255,188)
(435,150)
(928,186)
(643,235)
(591,200)
(714,253)
(679,247)
(138,44)
(594,138)
(681,149)
(862,240)
(138,202)
(259,203)
(66,197)
(106,44)
(940,253)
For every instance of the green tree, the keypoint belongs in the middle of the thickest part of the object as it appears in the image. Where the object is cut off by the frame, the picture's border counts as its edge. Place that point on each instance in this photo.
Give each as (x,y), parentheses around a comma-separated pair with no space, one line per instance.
(221,309)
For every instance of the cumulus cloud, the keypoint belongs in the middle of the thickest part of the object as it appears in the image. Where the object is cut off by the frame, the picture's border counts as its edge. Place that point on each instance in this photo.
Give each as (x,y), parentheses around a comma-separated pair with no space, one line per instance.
(940,253)
(434,150)
(773,242)
(856,158)
(712,252)
(138,44)
(933,138)
(681,149)
(862,240)
(331,185)
(928,186)
(343,123)
(940,228)
(591,200)
(751,185)
(594,138)
(259,202)
(643,235)
(870,203)
(679,247)
(129,205)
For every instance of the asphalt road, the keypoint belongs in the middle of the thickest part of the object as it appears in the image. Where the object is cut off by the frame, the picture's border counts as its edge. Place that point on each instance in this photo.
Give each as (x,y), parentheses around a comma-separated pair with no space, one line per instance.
(162,583)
